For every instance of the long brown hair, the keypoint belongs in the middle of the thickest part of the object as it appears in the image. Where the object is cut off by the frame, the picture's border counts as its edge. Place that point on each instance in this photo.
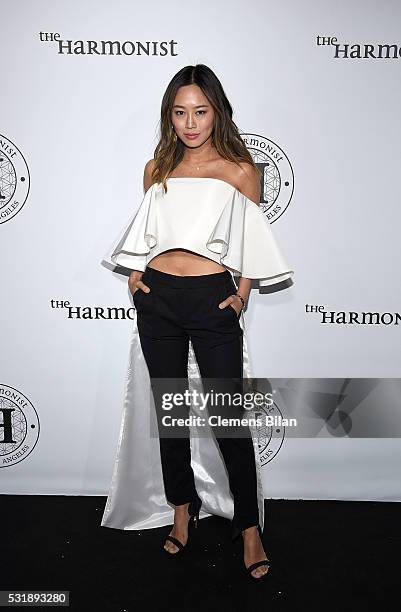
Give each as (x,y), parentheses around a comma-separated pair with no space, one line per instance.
(225,136)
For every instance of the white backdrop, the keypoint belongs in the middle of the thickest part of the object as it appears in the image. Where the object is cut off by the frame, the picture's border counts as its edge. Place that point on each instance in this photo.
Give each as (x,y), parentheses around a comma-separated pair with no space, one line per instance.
(76,132)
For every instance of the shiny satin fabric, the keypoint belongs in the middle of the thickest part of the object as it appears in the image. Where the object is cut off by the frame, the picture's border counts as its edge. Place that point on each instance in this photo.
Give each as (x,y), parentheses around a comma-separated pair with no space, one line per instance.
(136,498)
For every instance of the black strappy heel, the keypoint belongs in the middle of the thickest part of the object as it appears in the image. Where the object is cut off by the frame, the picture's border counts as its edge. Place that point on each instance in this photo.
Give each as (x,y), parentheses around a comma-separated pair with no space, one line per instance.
(193,511)
(259,564)
(236,532)
(253,566)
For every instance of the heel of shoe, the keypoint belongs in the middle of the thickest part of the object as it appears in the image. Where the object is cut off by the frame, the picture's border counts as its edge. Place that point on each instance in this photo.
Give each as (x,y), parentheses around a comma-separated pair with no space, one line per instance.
(194,519)
(193,510)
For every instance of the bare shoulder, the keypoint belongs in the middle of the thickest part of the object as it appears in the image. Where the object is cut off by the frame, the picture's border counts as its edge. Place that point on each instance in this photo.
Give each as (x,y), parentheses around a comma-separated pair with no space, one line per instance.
(247,179)
(147,174)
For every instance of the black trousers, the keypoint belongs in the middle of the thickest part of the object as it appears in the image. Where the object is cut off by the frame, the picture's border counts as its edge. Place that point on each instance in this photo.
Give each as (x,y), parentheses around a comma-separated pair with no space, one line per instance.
(182,308)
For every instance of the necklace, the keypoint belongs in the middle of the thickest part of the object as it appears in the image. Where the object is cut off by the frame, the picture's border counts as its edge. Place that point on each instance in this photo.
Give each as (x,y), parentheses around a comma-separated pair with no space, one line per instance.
(191,168)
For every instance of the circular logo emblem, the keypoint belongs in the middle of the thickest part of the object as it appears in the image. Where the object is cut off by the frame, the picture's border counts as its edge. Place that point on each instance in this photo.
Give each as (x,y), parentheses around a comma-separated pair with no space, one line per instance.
(14,180)
(270,437)
(277,174)
(19,426)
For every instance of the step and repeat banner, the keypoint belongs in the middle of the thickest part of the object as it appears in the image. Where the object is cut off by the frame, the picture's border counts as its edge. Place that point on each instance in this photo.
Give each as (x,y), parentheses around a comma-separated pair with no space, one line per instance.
(316,92)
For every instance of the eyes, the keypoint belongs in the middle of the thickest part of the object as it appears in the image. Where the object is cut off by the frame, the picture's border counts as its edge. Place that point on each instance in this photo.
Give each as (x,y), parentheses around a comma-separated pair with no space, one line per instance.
(179,111)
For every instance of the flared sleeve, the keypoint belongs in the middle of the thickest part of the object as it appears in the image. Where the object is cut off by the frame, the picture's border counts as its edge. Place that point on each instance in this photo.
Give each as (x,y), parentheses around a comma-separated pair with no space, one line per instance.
(138,237)
(244,239)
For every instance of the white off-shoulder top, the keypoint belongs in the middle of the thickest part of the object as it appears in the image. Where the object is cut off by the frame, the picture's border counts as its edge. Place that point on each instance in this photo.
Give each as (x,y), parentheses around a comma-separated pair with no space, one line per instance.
(208,216)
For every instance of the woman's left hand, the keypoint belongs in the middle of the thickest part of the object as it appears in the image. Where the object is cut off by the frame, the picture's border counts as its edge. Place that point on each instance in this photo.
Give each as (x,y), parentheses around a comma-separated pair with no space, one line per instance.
(233,301)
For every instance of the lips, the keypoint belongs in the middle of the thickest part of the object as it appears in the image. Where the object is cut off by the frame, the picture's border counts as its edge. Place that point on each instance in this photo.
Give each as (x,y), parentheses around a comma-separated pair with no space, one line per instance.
(191,135)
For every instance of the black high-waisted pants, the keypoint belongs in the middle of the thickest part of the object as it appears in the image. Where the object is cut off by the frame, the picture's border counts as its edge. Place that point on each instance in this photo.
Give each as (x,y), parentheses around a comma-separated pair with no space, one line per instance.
(176,309)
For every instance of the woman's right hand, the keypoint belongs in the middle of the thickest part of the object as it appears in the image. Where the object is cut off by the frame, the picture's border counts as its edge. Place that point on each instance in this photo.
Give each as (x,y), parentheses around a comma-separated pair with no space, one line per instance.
(135,283)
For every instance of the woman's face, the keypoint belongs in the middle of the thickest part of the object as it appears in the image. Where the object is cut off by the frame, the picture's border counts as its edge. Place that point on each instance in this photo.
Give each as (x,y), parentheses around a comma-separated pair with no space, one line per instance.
(192,113)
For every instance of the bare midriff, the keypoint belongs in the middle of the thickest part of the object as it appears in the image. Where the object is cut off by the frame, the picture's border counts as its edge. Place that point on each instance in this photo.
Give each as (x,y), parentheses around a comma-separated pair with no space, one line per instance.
(182,262)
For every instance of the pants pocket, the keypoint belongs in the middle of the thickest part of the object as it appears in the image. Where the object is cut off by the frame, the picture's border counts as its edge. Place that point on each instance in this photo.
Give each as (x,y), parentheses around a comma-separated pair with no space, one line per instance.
(228,290)
(140,297)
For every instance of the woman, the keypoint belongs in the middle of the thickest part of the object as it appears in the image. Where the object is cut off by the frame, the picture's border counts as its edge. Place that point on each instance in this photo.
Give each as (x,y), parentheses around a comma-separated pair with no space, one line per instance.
(198,225)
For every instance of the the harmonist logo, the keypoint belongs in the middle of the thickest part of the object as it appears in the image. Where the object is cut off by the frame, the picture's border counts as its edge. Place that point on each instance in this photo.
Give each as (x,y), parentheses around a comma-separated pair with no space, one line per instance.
(358,50)
(19,426)
(96,48)
(14,179)
(353,317)
(277,183)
